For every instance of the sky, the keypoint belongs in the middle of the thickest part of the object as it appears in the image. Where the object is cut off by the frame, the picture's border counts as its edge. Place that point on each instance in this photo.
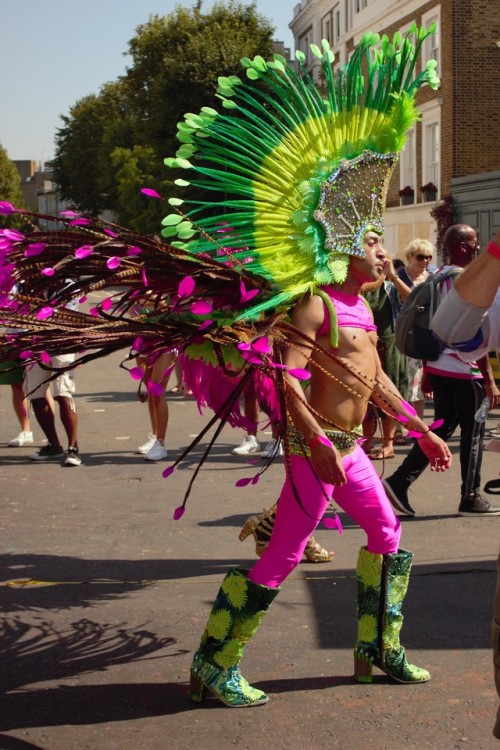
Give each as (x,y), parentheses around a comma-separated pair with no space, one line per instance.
(54,52)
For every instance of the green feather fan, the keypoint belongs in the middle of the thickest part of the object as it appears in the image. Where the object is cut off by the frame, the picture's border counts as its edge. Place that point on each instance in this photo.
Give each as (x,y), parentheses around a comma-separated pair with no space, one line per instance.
(276,151)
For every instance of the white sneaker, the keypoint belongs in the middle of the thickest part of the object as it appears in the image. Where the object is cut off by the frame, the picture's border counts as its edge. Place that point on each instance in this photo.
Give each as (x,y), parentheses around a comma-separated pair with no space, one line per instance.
(249,445)
(273,449)
(157,452)
(24,438)
(147,445)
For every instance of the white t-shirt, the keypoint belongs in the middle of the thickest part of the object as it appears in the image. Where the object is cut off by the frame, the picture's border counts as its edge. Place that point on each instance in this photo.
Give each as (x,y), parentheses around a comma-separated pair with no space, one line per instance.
(491,332)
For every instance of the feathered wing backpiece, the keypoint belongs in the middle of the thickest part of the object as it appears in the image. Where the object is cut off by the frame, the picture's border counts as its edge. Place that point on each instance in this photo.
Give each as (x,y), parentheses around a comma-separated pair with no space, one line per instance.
(291,176)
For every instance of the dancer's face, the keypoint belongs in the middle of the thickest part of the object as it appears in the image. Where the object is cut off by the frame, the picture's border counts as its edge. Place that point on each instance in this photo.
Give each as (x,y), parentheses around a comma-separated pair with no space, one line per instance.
(370,267)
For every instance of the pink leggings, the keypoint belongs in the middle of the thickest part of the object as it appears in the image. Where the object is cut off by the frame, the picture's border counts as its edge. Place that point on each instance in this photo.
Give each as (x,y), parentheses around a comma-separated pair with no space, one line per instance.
(363,498)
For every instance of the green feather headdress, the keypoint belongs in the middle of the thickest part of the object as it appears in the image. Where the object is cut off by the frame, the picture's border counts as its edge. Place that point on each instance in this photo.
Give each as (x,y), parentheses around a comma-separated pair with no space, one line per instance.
(297,175)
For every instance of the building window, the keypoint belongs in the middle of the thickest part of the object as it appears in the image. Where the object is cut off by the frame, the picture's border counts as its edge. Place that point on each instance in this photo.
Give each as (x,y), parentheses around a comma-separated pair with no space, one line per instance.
(337,29)
(432,47)
(359,5)
(431,153)
(407,163)
(304,47)
(327,29)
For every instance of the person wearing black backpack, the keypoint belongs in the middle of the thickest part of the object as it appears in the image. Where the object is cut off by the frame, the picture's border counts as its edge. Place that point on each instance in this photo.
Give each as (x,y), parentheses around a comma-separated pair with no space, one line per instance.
(458,389)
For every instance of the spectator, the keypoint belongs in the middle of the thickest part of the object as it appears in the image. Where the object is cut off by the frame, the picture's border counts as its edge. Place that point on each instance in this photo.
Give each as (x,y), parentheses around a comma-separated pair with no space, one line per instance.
(458,390)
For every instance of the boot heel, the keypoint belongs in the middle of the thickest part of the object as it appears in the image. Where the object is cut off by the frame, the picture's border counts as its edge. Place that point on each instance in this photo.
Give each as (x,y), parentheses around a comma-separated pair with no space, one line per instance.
(197,689)
(362,669)
(248,528)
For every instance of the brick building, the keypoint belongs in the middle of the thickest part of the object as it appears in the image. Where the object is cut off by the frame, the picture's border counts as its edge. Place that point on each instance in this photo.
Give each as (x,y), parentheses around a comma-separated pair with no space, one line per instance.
(456,145)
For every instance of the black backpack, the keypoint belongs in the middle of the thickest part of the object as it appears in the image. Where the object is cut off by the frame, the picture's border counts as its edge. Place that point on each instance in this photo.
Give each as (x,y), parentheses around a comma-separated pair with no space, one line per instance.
(413,332)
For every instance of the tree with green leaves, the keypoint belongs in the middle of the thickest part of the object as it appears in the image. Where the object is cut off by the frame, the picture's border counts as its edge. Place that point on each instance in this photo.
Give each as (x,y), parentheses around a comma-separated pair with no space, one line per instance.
(10,187)
(113,143)
(95,126)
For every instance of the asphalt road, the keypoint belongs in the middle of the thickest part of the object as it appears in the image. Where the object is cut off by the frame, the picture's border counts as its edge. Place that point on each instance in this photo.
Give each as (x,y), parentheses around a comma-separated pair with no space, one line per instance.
(104,598)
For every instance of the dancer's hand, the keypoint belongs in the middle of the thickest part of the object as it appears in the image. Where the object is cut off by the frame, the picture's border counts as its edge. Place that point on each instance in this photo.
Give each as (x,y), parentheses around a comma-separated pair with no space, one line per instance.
(327,462)
(436,450)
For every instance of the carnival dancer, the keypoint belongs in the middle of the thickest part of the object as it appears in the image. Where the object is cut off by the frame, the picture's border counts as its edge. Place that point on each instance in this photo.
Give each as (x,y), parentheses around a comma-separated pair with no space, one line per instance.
(334,463)
(300,176)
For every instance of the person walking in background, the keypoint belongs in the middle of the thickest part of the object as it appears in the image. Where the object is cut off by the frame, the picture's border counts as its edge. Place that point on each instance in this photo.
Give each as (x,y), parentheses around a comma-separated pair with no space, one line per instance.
(383,299)
(15,378)
(469,320)
(419,254)
(62,390)
(458,391)
(157,370)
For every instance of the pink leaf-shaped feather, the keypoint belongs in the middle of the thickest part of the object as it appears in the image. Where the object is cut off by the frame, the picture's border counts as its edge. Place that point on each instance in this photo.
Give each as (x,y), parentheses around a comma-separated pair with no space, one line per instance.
(13,235)
(333,523)
(300,373)
(6,208)
(83,252)
(262,345)
(243,482)
(113,262)
(249,295)
(107,304)
(134,250)
(35,248)
(437,423)
(408,408)
(178,512)
(137,373)
(186,287)
(168,472)
(150,193)
(205,324)
(201,307)
(80,223)
(45,313)
(47,271)
(155,389)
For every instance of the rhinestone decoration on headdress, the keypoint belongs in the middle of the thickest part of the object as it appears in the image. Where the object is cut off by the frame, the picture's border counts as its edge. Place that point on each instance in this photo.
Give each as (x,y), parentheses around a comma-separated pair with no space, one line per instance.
(352,201)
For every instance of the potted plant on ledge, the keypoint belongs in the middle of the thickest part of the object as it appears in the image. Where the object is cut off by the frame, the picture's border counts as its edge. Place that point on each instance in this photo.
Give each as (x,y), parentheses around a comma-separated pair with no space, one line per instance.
(407,195)
(429,192)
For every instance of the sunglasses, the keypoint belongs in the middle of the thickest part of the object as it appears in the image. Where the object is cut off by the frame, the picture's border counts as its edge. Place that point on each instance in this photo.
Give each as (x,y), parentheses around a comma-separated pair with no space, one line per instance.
(423,257)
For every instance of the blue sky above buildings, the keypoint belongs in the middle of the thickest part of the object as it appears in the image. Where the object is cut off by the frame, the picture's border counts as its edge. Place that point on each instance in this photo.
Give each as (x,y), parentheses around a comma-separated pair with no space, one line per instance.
(55,52)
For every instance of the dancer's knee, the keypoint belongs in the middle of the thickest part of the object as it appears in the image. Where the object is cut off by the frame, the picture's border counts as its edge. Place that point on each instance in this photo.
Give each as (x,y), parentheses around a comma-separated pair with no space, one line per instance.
(384,539)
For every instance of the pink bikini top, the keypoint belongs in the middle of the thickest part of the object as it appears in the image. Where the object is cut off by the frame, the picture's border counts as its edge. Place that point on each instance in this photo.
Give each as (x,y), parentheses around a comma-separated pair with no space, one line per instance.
(351,310)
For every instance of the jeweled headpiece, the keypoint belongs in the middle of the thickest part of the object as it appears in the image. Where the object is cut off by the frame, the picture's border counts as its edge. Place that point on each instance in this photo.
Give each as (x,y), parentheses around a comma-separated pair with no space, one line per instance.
(299,173)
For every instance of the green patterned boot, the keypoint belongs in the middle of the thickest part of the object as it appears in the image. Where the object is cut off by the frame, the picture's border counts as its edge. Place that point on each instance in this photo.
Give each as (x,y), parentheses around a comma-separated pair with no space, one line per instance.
(236,615)
(382,585)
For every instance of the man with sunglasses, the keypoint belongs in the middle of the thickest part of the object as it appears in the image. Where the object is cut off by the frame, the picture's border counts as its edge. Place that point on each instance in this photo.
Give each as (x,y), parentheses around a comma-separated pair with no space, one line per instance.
(458,389)
(469,321)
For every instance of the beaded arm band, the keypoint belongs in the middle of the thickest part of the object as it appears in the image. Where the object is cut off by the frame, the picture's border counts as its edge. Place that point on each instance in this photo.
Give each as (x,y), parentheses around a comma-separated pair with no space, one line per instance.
(493,249)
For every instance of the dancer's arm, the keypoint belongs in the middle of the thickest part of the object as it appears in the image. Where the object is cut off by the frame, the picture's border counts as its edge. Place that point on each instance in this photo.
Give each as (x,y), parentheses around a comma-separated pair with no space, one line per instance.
(386,396)
(461,320)
(307,318)
(480,280)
